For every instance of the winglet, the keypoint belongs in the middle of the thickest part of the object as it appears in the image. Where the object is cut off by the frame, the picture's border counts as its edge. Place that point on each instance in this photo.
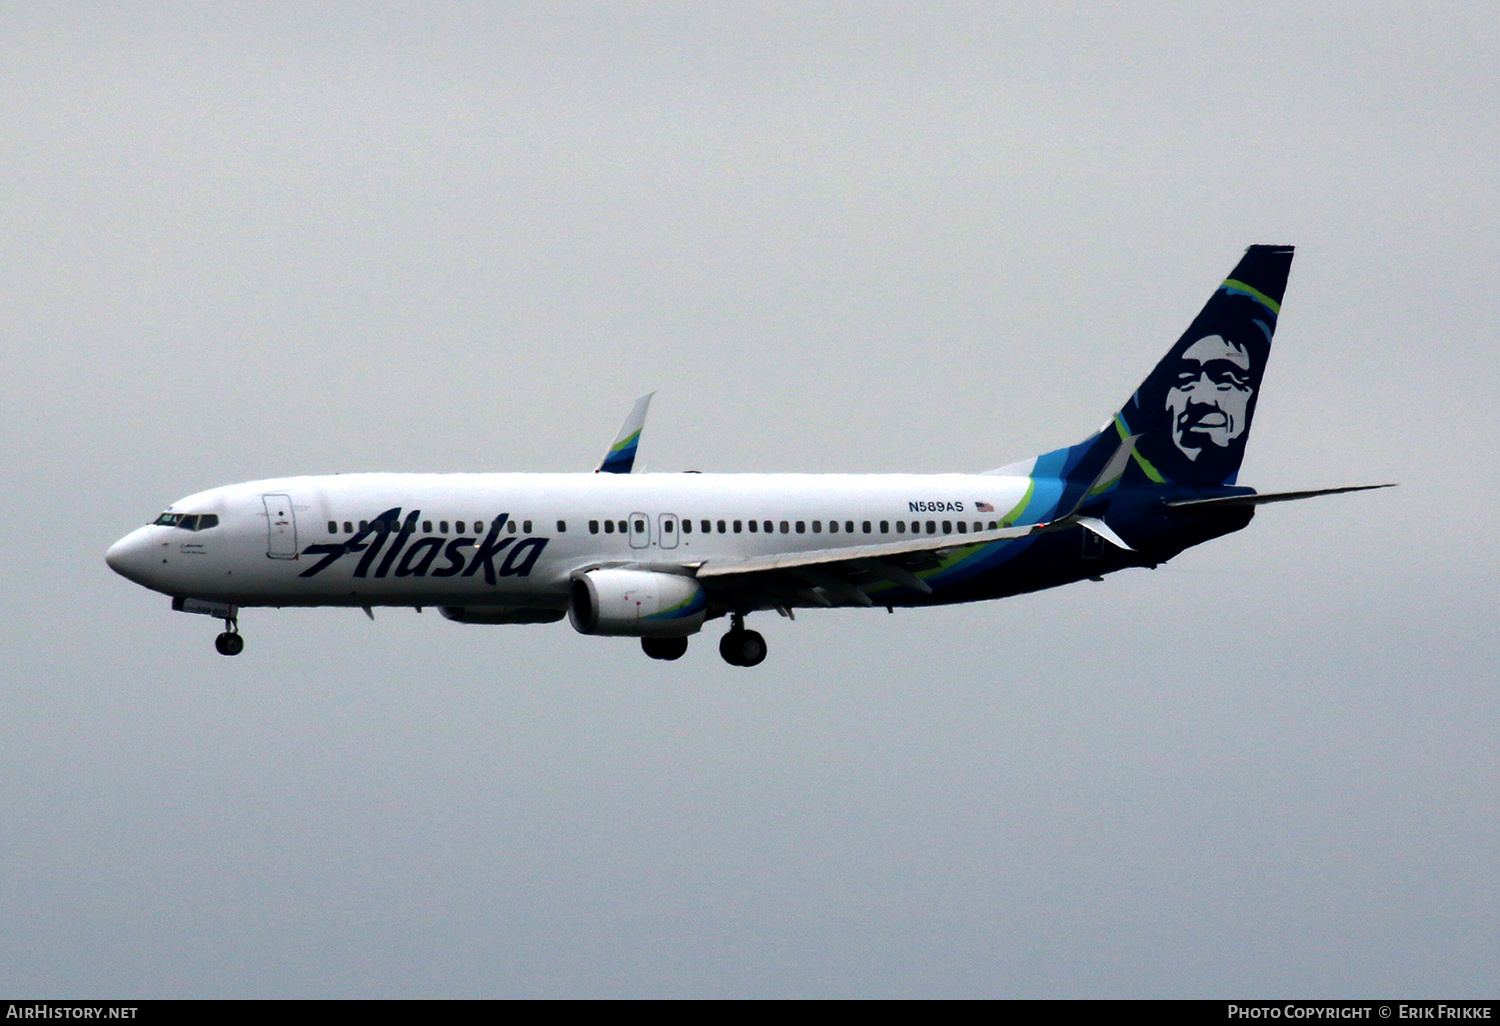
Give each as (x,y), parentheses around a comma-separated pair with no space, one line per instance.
(1103,481)
(1109,475)
(620,458)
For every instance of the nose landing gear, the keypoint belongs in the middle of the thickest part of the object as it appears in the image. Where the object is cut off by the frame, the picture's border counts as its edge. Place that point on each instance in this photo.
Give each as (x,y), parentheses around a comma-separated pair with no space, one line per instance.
(230,643)
(741,647)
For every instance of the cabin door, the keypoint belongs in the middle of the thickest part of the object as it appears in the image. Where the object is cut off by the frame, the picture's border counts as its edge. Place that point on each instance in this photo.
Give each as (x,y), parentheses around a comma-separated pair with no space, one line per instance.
(281,527)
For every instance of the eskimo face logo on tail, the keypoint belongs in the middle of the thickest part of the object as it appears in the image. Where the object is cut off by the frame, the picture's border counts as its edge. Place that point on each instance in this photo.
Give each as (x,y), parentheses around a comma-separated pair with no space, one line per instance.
(414,558)
(1194,410)
(1208,402)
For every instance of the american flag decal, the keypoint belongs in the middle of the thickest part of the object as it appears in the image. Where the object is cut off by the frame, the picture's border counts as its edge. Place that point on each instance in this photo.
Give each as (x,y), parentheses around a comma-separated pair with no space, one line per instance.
(984,507)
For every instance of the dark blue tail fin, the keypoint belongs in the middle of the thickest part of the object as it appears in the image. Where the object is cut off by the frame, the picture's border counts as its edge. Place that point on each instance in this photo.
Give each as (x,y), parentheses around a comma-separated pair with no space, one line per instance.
(1193,412)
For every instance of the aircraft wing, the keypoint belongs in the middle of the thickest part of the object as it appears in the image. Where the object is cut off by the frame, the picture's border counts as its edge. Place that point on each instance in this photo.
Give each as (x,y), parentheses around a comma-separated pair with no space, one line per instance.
(620,459)
(826,575)
(927,545)
(845,572)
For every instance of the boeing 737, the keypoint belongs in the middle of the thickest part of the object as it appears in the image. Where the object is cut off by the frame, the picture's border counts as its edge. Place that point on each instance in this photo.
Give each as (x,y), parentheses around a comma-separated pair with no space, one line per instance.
(656,556)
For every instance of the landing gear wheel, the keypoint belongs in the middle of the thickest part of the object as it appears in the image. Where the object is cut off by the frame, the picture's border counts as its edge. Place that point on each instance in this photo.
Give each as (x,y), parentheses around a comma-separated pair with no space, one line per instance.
(664,648)
(742,648)
(229,643)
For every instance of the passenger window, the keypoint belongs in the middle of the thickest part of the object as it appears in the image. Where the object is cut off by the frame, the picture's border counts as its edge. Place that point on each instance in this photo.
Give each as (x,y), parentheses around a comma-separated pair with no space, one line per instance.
(931,527)
(687,527)
(866,527)
(562,527)
(737,527)
(885,527)
(802,527)
(994,526)
(624,527)
(848,527)
(512,526)
(526,527)
(640,527)
(817,527)
(459,527)
(786,528)
(593,527)
(666,525)
(901,527)
(833,527)
(442,527)
(364,525)
(427,527)
(708,527)
(333,527)
(753,526)
(348,527)
(609,527)
(721,527)
(963,528)
(978,527)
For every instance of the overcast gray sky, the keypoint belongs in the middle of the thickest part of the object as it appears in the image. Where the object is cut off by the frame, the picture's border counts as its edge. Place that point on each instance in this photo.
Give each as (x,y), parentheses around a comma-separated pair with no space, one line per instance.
(239,241)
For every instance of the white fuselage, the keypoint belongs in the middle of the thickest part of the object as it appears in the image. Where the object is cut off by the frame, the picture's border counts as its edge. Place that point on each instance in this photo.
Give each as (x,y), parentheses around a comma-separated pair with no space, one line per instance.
(287,541)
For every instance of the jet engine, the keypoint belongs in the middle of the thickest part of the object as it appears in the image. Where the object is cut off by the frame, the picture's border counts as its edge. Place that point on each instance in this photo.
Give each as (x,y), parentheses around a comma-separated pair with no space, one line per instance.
(636,603)
(500,614)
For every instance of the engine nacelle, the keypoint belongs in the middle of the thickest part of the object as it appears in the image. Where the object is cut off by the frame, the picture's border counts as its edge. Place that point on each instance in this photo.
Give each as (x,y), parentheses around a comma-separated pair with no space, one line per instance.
(500,614)
(636,603)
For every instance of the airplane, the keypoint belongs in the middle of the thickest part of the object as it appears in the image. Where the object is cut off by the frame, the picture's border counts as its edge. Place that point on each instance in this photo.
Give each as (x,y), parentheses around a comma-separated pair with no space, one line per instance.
(656,556)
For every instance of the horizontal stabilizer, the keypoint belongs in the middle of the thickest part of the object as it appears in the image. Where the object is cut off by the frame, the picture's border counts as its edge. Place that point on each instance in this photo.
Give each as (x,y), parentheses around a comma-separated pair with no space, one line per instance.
(1265,497)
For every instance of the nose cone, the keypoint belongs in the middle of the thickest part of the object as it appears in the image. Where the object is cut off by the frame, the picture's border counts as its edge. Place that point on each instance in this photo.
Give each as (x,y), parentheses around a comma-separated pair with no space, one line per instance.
(130,557)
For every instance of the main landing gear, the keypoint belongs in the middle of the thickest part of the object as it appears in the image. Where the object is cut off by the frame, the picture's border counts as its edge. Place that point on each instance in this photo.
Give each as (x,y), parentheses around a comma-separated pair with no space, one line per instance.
(230,643)
(741,647)
(664,648)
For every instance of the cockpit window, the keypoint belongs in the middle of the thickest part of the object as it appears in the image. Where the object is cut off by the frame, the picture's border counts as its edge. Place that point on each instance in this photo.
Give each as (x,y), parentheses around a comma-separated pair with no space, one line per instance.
(187,521)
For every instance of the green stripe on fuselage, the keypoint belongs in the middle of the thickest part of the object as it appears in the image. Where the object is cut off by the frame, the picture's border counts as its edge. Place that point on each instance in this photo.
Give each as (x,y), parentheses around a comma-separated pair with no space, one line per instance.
(1016,511)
